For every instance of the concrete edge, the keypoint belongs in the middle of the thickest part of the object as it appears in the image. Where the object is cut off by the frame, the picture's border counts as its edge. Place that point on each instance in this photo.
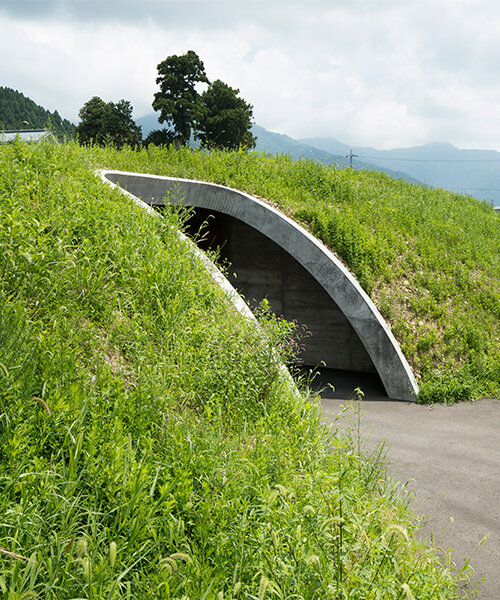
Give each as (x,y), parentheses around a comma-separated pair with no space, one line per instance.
(315,257)
(232,295)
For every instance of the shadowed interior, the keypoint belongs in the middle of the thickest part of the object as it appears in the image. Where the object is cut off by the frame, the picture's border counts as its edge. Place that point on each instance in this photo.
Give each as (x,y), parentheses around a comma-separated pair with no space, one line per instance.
(258,268)
(272,256)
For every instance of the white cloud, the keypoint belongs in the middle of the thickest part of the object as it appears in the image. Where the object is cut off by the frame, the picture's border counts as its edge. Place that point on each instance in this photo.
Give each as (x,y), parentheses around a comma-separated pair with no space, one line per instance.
(385,73)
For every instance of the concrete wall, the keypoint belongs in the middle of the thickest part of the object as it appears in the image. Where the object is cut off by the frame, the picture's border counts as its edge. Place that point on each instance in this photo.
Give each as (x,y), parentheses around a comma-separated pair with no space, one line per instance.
(320,264)
(259,269)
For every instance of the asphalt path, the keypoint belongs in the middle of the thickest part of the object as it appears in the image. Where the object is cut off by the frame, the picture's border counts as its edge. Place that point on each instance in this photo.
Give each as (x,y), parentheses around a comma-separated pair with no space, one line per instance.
(449,458)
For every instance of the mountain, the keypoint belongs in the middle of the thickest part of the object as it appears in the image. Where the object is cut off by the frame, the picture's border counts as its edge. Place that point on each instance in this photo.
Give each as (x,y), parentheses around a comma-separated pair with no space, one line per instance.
(474,172)
(19,112)
(278,143)
(148,123)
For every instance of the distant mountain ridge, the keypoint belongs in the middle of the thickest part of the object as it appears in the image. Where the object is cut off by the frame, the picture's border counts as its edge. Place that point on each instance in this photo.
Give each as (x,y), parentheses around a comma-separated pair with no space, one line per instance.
(474,172)
(278,143)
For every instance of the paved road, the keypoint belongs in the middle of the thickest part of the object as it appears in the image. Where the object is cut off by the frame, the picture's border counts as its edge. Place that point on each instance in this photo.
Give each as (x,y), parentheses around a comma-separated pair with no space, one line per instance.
(450,455)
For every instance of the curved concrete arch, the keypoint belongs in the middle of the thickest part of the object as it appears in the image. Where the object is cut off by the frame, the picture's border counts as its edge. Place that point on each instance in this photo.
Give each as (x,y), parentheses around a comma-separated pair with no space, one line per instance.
(312,255)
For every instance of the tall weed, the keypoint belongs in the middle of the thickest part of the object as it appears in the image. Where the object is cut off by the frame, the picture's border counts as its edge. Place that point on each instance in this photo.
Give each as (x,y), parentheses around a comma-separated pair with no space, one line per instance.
(147,447)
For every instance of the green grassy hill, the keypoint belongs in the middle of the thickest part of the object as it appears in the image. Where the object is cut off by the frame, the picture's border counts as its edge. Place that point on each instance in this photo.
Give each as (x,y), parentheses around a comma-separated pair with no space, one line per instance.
(429,259)
(142,420)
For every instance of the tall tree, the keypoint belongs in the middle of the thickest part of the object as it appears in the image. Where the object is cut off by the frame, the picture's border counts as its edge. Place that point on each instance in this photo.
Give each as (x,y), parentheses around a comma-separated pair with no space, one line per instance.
(106,122)
(226,118)
(92,126)
(178,101)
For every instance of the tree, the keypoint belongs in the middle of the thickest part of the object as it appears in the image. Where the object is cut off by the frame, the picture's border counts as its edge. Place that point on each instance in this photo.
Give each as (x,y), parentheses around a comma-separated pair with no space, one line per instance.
(102,123)
(226,119)
(178,100)
(92,126)
(122,128)
(159,137)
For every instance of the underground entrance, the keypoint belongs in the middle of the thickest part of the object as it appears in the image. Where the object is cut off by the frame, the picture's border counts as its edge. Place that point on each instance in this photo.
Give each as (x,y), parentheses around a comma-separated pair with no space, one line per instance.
(274,257)
(258,268)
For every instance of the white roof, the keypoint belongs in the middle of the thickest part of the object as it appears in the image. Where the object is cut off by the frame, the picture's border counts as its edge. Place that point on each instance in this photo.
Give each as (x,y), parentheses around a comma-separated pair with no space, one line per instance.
(26,135)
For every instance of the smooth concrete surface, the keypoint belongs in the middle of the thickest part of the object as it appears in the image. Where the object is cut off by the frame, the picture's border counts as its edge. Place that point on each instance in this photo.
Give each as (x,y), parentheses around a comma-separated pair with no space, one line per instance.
(260,269)
(450,458)
(314,257)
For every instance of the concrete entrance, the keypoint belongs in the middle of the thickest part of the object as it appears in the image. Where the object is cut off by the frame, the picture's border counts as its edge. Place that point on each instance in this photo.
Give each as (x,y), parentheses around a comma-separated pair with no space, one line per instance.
(259,268)
(279,259)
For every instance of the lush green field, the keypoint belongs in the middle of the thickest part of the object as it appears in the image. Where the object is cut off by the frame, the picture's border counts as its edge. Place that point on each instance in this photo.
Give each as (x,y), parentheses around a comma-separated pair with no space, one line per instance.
(148,446)
(429,259)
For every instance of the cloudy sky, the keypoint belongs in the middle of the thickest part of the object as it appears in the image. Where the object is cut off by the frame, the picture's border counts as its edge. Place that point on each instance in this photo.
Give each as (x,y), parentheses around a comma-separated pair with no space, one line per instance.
(385,73)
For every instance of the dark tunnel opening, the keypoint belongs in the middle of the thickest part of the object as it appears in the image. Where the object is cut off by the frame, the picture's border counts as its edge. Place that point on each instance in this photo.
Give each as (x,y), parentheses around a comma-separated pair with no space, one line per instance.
(258,268)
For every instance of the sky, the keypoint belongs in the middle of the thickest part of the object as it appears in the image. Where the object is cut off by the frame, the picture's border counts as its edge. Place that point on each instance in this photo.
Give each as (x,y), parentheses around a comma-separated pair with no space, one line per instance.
(381,73)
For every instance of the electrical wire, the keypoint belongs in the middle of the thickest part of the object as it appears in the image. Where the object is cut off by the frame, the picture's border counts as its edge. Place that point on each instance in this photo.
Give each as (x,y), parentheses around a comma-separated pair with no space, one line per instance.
(435,160)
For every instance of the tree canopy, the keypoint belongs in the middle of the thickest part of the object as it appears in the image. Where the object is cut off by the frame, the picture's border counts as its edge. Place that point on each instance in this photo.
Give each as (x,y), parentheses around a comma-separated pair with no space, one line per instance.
(218,117)
(226,119)
(160,137)
(178,101)
(107,122)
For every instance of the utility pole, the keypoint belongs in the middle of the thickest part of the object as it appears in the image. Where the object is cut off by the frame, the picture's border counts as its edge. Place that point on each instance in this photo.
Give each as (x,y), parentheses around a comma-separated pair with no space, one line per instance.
(350,156)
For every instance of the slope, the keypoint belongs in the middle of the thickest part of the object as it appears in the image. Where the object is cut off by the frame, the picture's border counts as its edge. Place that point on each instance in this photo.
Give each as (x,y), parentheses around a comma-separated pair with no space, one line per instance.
(142,452)
(429,259)
(19,112)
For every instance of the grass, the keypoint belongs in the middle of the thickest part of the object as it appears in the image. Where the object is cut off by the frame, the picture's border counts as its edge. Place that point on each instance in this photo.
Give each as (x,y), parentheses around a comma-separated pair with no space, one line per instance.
(429,259)
(148,446)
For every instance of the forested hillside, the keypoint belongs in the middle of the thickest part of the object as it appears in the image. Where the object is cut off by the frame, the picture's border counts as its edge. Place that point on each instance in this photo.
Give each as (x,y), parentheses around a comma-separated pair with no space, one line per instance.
(19,112)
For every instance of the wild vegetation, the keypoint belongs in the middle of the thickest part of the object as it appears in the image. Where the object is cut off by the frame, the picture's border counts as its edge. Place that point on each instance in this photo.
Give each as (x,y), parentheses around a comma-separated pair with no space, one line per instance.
(142,446)
(430,259)
(19,112)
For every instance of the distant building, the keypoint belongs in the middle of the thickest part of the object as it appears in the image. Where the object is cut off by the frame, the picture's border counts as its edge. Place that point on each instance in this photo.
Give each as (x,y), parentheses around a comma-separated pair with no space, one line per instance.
(26,135)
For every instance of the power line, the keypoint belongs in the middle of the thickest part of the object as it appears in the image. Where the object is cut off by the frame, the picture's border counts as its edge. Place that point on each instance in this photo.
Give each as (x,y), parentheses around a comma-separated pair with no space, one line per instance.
(473,188)
(435,160)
